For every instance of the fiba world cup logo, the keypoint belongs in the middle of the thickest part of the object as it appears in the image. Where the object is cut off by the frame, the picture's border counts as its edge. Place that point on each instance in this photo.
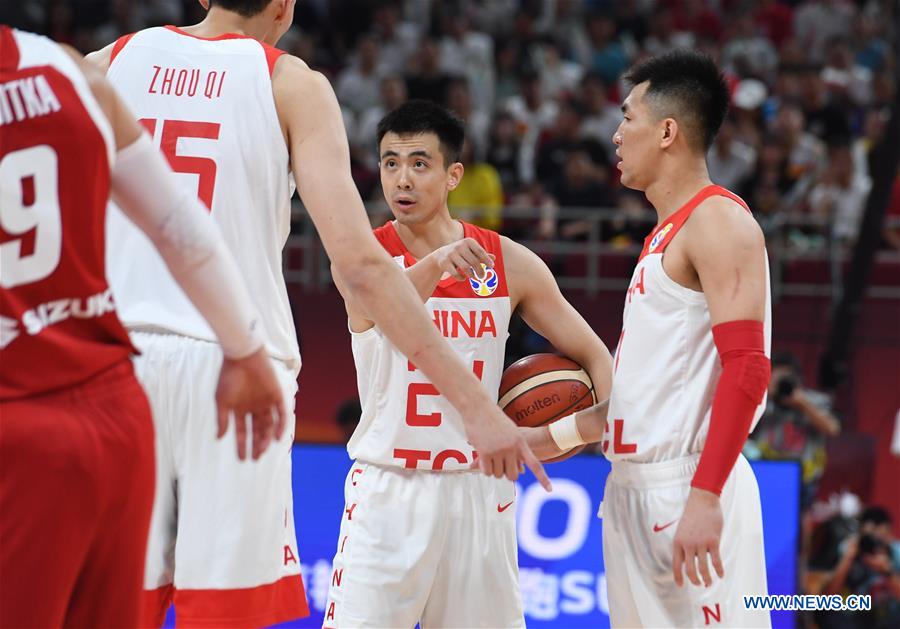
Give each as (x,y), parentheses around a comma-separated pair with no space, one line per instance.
(488,283)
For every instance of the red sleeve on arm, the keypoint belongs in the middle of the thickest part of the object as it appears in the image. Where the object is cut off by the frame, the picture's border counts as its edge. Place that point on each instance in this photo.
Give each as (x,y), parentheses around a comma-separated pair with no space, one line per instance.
(745,377)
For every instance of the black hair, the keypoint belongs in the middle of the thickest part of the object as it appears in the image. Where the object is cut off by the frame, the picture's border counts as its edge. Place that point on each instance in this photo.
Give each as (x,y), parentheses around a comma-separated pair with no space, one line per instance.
(871,545)
(247,8)
(423,116)
(688,86)
(876,516)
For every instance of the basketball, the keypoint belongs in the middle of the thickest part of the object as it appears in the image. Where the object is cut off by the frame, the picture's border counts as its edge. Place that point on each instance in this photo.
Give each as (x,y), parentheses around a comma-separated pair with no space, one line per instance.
(542,388)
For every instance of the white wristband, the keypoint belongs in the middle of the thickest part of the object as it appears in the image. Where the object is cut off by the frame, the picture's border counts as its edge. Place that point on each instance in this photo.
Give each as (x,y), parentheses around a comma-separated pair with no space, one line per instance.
(564,433)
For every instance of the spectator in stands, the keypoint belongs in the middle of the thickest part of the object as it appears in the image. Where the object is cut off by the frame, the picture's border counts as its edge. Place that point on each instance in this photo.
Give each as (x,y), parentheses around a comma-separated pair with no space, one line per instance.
(357,85)
(459,101)
(891,231)
(840,194)
(425,78)
(583,184)
(805,152)
(730,161)
(602,116)
(774,20)
(397,39)
(608,56)
(748,53)
(825,116)
(470,54)
(504,150)
(662,34)
(479,196)
(818,20)
(846,80)
(877,522)
(533,113)
(564,137)
(795,424)
(874,122)
(393,94)
(866,568)
(559,76)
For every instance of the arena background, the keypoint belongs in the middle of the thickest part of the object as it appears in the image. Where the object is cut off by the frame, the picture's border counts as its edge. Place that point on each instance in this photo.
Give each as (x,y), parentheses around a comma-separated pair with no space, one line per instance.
(811,142)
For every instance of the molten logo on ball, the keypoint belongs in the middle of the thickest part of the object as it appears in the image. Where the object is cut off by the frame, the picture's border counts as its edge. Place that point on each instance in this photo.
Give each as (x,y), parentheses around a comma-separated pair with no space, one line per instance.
(488,283)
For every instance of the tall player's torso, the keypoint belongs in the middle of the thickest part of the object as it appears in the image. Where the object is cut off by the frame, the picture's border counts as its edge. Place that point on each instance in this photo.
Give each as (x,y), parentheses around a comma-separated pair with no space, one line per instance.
(58,324)
(666,365)
(405,422)
(209,106)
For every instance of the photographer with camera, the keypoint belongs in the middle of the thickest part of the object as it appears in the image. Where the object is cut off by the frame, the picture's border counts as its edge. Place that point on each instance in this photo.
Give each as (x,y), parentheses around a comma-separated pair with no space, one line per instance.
(795,424)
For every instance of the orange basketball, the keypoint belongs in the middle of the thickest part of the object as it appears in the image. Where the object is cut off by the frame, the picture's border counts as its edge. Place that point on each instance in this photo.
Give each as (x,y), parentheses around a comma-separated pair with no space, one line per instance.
(541,388)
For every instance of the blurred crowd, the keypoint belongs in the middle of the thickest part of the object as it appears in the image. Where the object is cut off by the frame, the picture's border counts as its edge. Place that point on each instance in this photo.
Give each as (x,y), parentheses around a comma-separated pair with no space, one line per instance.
(538,83)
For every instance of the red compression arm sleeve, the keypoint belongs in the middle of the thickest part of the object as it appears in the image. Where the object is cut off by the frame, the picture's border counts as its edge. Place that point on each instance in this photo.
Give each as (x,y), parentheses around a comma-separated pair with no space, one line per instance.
(745,377)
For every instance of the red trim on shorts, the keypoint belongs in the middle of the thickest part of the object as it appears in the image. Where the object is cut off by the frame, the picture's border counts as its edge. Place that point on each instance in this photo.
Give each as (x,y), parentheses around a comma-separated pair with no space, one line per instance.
(9,50)
(155,604)
(246,607)
(118,46)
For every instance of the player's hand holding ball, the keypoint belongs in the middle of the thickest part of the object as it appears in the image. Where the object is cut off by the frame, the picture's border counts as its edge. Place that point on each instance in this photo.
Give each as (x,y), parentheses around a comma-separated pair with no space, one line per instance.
(248,386)
(699,534)
(460,259)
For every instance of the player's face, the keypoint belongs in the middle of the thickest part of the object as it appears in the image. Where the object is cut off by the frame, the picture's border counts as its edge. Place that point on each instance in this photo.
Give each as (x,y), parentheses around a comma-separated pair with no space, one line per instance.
(637,140)
(414,177)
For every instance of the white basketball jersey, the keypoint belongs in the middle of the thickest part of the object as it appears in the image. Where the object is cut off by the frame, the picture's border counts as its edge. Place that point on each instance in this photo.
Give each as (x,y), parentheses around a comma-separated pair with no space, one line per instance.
(405,421)
(209,106)
(666,367)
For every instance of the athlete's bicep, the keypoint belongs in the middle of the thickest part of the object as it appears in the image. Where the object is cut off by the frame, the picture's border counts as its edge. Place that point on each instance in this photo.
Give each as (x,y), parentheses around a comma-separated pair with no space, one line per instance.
(320,159)
(727,249)
(543,307)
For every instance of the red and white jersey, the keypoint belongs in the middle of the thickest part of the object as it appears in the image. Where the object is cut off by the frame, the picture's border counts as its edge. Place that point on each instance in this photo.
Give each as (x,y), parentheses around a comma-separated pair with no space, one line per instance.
(666,366)
(209,106)
(405,421)
(58,324)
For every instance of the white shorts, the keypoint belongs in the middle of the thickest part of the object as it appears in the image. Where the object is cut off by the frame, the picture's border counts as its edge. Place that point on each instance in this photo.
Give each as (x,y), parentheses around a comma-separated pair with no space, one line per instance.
(222,539)
(641,506)
(437,548)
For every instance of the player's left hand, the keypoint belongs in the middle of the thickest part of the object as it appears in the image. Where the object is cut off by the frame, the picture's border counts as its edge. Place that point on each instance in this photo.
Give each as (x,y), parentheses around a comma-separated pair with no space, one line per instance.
(249,386)
(697,539)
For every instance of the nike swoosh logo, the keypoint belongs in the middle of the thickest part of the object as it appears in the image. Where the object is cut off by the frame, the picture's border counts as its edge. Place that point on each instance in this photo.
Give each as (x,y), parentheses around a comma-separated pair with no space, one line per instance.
(502,508)
(657,528)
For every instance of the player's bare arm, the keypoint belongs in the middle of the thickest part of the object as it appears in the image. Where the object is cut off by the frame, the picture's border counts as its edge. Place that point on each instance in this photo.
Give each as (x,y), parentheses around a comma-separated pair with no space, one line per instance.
(247,382)
(721,251)
(537,297)
(458,259)
(320,158)
(100,58)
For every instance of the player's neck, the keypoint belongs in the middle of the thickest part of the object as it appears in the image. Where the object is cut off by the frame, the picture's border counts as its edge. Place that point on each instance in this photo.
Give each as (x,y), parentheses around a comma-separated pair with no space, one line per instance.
(422,238)
(220,22)
(678,182)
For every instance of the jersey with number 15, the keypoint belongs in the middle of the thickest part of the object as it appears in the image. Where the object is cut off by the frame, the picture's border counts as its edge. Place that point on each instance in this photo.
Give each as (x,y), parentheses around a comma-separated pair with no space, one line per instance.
(208,105)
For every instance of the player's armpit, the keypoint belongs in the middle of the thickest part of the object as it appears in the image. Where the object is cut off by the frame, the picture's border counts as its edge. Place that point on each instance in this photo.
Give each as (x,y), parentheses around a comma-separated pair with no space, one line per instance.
(100,59)
(356,317)
(542,306)
(726,248)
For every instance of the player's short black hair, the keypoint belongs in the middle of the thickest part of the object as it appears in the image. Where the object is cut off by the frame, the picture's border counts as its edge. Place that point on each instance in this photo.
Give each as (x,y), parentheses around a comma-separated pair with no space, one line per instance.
(247,8)
(688,86)
(424,116)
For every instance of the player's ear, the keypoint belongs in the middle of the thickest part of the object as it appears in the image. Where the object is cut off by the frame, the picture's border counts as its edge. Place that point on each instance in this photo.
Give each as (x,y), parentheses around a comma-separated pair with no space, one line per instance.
(668,131)
(204,4)
(455,175)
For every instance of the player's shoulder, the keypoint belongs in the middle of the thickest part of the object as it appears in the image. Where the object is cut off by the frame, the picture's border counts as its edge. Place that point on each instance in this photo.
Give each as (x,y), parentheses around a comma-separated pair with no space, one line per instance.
(724,222)
(290,71)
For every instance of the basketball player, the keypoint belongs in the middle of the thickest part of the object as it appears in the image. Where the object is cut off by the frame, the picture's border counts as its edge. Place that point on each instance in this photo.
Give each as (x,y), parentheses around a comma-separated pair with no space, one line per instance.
(424,540)
(76,436)
(236,119)
(690,372)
